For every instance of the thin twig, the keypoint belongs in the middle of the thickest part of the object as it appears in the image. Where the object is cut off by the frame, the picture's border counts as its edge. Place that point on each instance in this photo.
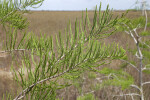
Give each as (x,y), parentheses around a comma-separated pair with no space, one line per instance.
(130,32)
(145,44)
(130,64)
(145,68)
(135,86)
(13,50)
(131,94)
(145,83)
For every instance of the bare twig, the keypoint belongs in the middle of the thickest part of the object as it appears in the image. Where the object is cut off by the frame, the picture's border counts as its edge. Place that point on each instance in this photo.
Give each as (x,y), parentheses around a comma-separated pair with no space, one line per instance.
(135,86)
(130,32)
(145,68)
(130,64)
(145,83)
(139,56)
(145,44)
(13,50)
(130,94)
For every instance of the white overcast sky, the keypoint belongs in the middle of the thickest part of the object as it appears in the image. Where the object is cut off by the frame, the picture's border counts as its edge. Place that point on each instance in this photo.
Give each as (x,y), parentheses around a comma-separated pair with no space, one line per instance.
(83,4)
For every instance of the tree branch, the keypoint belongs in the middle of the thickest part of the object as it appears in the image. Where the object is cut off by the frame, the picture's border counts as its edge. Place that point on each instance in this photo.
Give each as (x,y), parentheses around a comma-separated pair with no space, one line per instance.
(25,91)
(145,83)
(135,86)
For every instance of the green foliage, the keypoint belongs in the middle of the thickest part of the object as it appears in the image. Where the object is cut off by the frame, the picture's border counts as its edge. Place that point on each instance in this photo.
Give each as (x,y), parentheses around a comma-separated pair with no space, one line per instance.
(141,64)
(126,24)
(102,22)
(92,75)
(10,14)
(123,65)
(135,9)
(147,71)
(76,52)
(148,24)
(146,54)
(11,19)
(98,86)
(87,97)
(145,33)
(45,62)
(7,96)
(117,78)
(68,60)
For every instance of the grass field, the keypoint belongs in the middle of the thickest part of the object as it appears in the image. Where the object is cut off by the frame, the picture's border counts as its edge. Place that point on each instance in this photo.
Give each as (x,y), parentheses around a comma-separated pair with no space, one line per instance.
(50,23)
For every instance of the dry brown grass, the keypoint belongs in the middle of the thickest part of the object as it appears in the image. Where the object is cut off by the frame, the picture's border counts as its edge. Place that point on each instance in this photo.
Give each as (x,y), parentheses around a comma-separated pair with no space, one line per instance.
(50,23)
